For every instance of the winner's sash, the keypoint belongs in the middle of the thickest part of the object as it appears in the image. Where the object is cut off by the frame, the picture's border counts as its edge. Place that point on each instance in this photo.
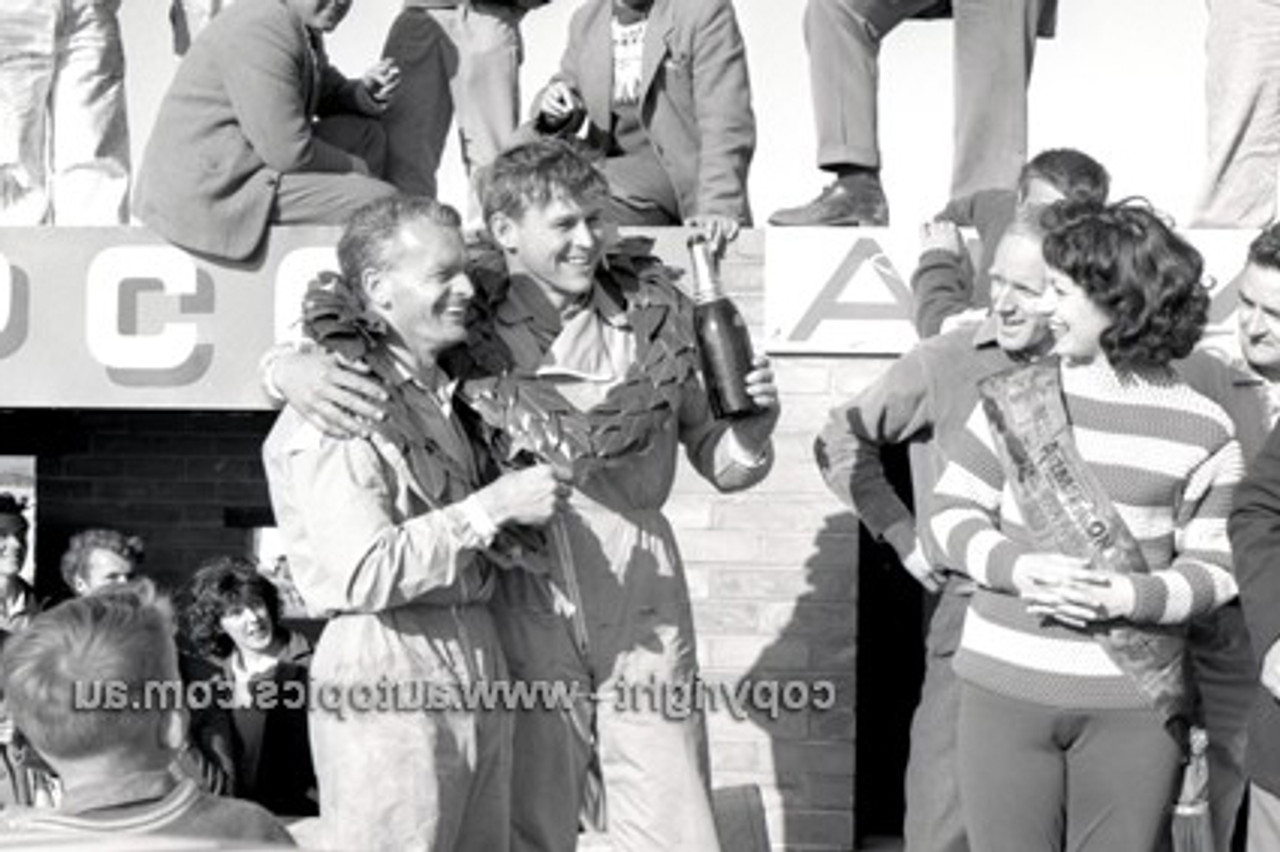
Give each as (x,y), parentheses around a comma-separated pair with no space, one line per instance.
(1066,510)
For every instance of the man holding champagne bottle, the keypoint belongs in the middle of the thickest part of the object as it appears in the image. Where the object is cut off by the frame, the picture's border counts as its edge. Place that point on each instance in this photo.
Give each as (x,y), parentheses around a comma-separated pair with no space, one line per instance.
(607,350)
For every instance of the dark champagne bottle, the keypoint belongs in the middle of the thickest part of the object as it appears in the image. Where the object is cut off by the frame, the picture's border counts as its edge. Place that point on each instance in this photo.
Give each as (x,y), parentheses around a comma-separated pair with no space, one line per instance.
(724,344)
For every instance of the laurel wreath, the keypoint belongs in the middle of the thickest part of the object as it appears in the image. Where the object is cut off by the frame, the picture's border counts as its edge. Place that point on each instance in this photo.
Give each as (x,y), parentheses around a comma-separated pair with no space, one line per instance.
(528,416)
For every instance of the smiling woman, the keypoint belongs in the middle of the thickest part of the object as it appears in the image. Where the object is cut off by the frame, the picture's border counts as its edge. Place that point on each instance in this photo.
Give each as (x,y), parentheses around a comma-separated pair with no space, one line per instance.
(1124,285)
(233,618)
(1060,469)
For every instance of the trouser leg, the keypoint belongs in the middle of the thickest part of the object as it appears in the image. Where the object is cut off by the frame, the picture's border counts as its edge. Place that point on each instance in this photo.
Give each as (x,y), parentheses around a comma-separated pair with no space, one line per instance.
(316,198)
(1264,820)
(640,193)
(418,118)
(190,17)
(1242,94)
(843,39)
(1123,772)
(551,747)
(995,42)
(1223,670)
(28,46)
(1012,775)
(657,790)
(486,85)
(934,822)
(486,819)
(358,135)
(90,125)
(402,759)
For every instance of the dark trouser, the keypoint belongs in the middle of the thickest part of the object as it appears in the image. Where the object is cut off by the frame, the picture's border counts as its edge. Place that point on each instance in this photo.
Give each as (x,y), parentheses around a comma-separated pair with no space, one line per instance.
(1223,670)
(934,822)
(329,198)
(1035,778)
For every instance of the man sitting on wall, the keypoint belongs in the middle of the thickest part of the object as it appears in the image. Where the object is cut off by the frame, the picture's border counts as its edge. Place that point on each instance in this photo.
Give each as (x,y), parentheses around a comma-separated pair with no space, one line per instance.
(258,128)
(663,88)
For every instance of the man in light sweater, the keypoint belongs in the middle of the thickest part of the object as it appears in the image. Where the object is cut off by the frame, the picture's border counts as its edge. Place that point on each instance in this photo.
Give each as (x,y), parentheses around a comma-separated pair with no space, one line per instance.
(928,393)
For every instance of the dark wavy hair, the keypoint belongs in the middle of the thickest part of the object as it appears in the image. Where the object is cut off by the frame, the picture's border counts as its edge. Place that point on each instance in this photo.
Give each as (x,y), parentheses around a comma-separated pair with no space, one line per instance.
(219,586)
(1134,267)
(82,544)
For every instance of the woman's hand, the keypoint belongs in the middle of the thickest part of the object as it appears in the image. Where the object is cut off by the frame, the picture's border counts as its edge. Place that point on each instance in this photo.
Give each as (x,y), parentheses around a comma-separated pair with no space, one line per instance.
(1101,597)
(1066,589)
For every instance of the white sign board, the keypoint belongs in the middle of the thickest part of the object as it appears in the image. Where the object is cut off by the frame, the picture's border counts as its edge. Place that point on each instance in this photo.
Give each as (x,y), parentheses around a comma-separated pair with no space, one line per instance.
(831,291)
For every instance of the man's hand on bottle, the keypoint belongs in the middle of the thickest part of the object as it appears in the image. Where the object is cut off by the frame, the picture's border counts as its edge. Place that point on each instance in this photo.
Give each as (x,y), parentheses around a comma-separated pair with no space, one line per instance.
(754,431)
(719,231)
(337,396)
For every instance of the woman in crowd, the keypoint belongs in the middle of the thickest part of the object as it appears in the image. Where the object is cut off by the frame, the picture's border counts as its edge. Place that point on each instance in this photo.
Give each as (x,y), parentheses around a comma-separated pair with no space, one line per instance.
(233,618)
(1065,739)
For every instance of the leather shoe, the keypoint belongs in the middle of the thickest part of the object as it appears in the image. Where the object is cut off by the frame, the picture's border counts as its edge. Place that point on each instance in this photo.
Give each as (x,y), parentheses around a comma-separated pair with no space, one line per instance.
(852,200)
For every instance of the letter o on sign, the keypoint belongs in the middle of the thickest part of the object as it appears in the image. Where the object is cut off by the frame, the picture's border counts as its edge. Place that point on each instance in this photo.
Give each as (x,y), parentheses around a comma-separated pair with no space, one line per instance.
(166,349)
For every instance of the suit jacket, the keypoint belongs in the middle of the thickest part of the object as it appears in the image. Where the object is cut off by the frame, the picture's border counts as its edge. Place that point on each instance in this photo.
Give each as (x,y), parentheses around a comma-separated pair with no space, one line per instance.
(237,115)
(695,97)
(1255,541)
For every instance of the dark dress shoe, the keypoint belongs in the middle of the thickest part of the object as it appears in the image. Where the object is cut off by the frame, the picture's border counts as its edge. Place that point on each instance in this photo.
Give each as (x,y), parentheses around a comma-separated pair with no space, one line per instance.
(853,200)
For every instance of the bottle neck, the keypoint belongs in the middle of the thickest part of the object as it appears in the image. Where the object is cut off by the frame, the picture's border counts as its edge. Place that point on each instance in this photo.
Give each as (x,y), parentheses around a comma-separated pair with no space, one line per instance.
(706,273)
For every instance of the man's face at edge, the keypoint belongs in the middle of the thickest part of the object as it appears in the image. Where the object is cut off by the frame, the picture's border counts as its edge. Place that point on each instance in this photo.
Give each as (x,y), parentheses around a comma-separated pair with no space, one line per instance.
(1258,318)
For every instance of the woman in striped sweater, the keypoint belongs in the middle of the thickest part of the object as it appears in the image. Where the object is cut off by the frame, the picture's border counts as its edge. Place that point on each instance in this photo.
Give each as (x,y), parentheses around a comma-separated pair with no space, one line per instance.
(1058,748)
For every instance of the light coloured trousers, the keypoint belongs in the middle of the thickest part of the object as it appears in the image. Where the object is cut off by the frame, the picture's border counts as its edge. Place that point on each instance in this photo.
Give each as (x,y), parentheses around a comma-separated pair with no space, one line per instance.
(190,17)
(463,61)
(64,135)
(413,773)
(1264,821)
(995,44)
(1242,100)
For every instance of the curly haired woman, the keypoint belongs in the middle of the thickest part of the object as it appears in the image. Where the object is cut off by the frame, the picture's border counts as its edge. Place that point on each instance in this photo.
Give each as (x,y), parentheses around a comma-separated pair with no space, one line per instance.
(233,618)
(1059,745)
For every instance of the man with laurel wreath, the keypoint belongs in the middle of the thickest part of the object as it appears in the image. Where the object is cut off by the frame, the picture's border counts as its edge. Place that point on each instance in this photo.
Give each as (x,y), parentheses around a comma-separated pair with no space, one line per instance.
(589,363)
(392,536)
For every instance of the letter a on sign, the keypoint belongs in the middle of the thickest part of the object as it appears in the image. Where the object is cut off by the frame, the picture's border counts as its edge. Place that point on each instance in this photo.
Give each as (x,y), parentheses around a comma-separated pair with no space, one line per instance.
(839,290)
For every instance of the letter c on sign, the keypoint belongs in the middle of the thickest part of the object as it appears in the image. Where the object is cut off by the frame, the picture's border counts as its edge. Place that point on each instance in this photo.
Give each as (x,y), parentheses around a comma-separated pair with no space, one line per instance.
(105,304)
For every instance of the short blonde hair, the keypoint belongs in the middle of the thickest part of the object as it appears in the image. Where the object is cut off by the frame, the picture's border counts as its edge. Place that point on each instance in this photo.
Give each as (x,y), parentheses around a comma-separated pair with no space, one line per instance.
(54,671)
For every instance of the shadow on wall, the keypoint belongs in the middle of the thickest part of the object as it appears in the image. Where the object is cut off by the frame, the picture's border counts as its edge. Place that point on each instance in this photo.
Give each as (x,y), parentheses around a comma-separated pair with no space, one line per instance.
(813,756)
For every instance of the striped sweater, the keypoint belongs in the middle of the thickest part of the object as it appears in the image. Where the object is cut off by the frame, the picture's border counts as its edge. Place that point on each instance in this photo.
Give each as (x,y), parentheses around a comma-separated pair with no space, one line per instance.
(1168,459)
